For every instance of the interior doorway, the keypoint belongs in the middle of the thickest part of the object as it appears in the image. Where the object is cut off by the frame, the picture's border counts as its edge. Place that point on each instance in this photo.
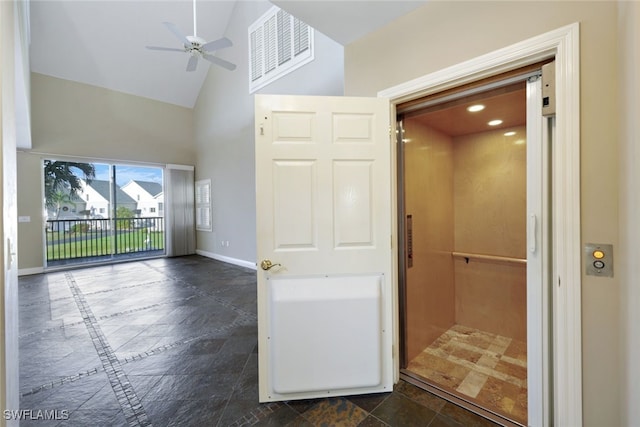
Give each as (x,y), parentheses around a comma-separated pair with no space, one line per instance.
(464,183)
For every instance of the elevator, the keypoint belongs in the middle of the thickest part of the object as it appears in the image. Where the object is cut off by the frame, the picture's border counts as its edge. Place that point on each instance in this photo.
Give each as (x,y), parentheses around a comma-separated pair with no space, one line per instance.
(468,178)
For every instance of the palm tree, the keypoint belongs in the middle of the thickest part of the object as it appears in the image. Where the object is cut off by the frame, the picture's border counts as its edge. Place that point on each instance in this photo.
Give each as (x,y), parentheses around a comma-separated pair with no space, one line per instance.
(60,177)
(58,199)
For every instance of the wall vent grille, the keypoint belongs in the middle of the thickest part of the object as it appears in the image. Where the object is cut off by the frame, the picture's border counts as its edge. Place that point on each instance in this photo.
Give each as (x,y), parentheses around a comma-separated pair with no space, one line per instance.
(278,44)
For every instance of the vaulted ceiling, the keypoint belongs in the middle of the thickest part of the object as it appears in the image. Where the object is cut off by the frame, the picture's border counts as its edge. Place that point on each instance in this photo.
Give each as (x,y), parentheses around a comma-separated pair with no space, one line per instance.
(102,43)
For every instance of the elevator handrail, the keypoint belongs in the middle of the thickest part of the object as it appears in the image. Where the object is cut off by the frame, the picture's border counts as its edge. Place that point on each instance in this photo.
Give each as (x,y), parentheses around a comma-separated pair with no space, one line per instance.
(490,258)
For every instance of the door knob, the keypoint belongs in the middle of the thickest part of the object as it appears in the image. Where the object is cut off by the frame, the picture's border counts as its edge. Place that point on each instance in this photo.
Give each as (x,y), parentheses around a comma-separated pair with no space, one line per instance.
(266,264)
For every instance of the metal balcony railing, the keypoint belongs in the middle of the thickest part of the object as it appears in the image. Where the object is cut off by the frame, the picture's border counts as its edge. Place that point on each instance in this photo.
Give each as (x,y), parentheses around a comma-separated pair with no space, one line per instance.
(76,239)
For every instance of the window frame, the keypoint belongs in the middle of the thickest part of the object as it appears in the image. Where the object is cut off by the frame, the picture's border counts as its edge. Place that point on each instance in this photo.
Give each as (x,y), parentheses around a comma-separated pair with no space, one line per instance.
(203,205)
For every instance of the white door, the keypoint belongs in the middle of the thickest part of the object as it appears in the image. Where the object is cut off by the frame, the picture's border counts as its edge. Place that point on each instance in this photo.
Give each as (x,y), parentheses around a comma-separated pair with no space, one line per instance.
(538,256)
(323,201)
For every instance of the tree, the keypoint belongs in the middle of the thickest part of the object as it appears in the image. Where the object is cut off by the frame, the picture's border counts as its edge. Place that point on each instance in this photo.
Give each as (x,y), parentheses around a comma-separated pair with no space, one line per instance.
(127,215)
(57,199)
(60,177)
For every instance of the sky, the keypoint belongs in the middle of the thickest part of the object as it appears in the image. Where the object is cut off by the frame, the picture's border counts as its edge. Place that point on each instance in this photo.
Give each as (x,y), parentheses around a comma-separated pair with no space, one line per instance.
(126,173)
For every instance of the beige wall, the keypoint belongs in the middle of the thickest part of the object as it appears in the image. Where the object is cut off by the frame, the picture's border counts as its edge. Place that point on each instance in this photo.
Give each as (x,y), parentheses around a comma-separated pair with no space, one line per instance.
(442,34)
(71,118)
(629,267)
(75,119)
(30,235)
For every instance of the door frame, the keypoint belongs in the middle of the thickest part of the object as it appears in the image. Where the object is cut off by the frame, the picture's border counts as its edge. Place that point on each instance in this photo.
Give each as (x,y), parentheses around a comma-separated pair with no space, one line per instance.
(564,334)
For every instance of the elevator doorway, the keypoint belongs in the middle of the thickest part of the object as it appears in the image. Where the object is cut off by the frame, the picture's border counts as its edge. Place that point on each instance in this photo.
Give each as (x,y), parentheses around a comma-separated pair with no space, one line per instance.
(465,179)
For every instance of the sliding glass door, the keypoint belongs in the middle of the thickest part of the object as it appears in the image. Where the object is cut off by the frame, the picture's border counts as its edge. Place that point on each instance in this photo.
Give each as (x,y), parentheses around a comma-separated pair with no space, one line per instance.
(97,212)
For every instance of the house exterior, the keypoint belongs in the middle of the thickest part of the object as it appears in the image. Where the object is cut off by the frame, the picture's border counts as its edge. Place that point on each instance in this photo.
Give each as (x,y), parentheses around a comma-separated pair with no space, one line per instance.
(96,199)
(148,196)
(92,201)
(97,196)
(67,207)
(159,201)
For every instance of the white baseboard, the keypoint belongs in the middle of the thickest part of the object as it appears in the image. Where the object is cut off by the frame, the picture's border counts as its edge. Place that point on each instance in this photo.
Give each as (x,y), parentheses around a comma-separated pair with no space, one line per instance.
(229,260)
(29,271)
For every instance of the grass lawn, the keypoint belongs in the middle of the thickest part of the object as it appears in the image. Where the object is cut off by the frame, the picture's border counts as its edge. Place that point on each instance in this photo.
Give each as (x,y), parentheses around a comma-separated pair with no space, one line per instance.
(61,245)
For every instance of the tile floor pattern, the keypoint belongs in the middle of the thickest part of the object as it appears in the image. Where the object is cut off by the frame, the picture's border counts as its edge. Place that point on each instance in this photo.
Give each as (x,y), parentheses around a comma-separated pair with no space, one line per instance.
(489,368)
(173,342)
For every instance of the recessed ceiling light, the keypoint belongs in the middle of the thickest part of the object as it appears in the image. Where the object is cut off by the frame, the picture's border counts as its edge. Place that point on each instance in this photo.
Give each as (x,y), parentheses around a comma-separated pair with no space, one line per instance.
(475,108)
(510,133)
(519,141)
(495,122)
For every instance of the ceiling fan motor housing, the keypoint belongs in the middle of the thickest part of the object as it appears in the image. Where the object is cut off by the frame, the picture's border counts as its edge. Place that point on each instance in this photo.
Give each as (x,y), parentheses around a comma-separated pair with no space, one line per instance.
(196,41)
(195,46)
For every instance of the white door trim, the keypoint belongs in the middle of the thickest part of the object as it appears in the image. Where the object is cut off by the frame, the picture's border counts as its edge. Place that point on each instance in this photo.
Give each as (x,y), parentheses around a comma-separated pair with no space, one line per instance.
(563,44)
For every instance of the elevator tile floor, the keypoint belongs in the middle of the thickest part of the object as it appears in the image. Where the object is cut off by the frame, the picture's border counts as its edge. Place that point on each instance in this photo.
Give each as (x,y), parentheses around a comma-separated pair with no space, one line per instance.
(172,342)
(490,369)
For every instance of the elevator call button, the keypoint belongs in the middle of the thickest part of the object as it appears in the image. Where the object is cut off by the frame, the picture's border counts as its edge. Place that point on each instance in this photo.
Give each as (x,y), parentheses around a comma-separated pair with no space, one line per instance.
(598,259)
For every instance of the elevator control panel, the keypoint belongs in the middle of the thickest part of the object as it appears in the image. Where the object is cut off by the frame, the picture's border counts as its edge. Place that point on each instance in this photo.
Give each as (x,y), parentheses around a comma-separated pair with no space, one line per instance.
(549,89)
(409,241)
(598,259)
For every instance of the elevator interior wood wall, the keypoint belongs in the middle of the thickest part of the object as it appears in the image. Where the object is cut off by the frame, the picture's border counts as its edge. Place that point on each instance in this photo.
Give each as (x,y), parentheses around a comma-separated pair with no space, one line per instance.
(430,302)
(465,194)
(490,198)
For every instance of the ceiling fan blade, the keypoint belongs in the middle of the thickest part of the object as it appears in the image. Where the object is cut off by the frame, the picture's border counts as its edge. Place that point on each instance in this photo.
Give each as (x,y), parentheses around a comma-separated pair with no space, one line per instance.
(193,63)
(216,44)
(177,33)
(221,62)
(170,49)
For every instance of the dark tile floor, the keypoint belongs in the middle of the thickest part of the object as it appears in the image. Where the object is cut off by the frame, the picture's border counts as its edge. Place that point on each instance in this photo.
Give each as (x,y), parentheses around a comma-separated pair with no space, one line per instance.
(172,342)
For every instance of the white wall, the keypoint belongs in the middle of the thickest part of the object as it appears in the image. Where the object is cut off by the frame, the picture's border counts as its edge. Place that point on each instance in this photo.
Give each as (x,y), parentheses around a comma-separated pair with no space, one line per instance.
(629,268)
(9,397)
(22,76)
(224,131)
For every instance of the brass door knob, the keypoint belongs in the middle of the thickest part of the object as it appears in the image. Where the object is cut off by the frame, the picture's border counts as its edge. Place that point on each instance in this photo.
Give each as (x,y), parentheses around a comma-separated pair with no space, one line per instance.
(266,264)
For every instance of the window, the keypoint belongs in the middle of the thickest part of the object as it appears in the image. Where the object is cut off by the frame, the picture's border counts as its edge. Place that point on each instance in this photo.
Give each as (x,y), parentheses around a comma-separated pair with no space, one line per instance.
(152,210)
(109,225)
(278,44)
(203,205)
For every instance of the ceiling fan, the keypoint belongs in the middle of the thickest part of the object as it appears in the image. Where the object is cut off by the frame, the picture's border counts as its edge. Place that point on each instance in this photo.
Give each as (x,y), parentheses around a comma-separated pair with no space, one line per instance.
(196,46)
